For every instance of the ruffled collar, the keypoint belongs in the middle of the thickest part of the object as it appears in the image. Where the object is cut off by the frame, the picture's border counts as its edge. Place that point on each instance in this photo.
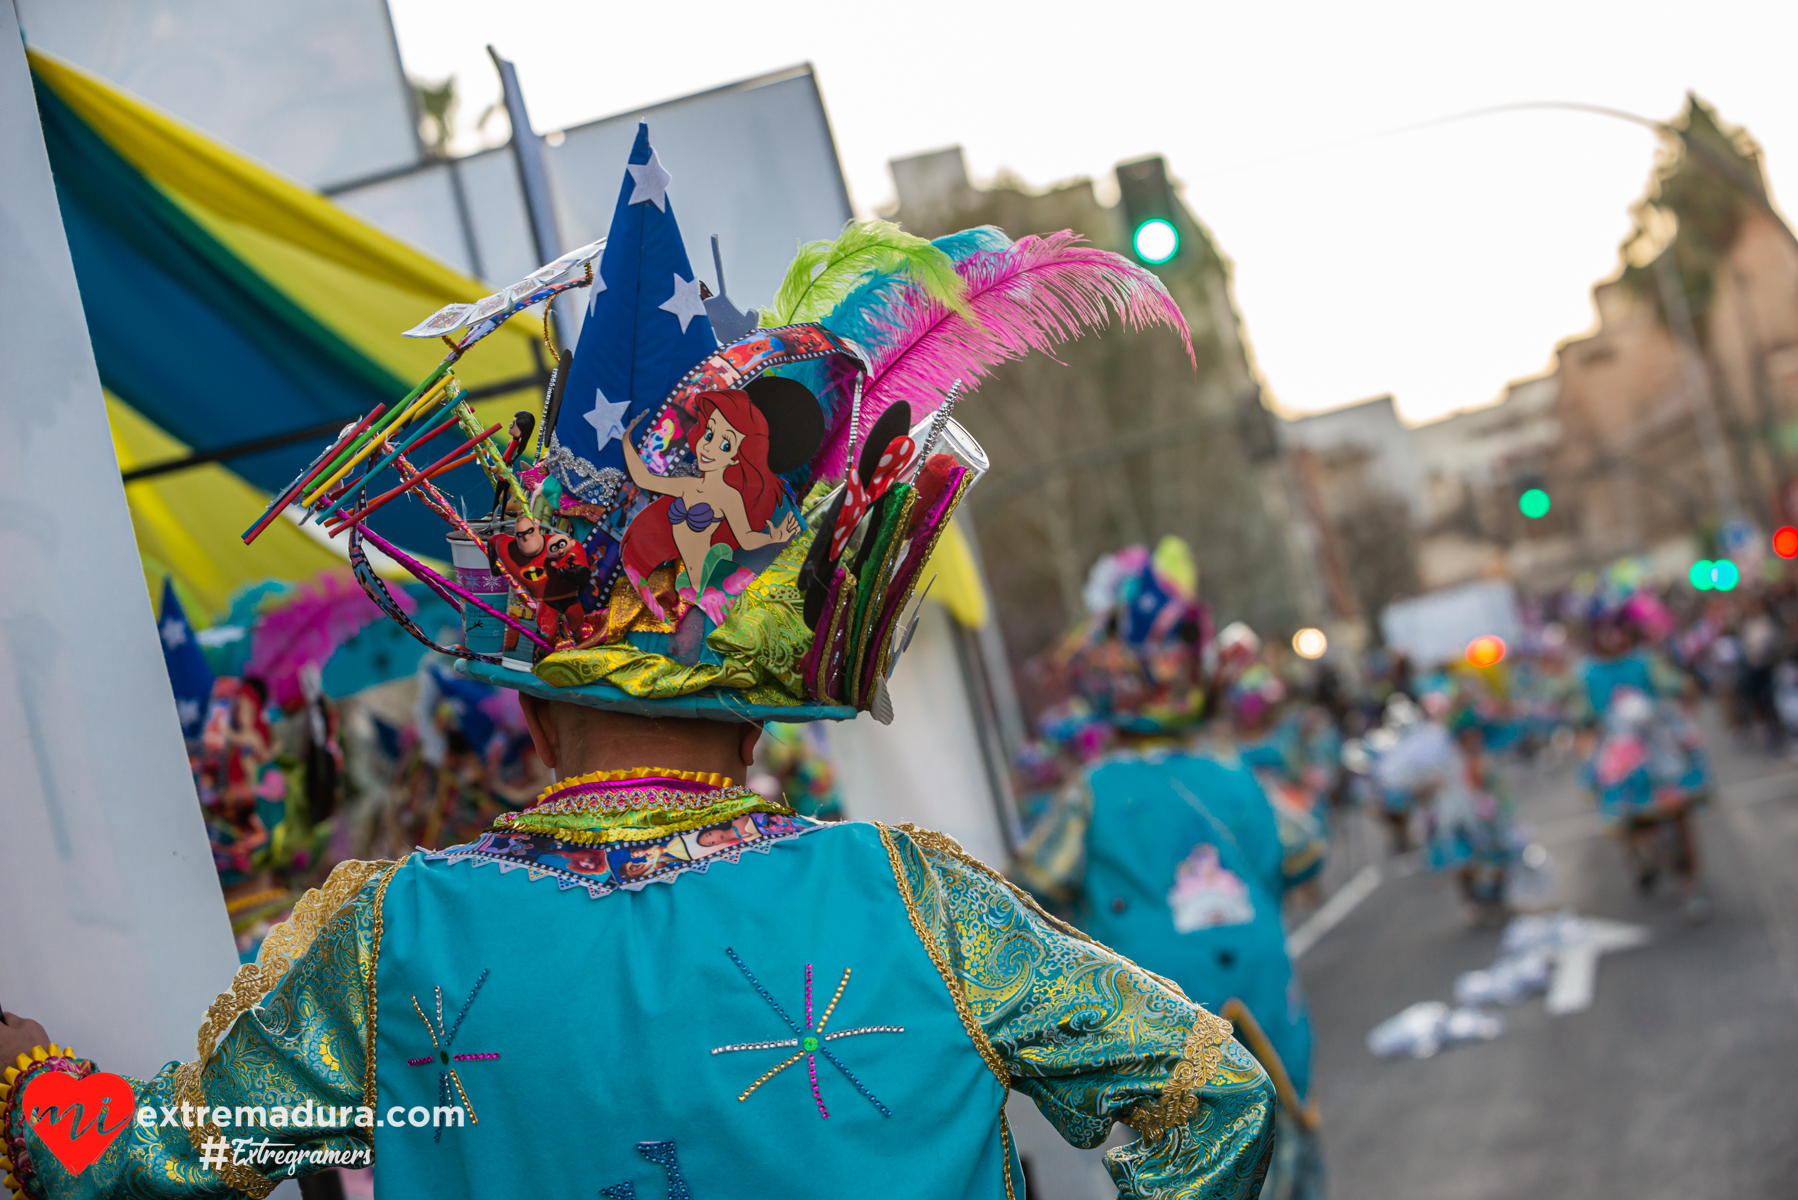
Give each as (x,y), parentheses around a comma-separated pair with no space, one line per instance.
(635,804)
(615,830)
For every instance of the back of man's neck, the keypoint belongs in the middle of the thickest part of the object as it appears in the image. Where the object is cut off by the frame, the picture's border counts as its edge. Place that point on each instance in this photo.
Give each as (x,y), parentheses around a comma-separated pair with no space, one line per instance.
(646,754)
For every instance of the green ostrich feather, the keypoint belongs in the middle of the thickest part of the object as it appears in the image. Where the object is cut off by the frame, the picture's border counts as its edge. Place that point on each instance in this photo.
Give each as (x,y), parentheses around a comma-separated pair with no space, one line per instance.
(823,273)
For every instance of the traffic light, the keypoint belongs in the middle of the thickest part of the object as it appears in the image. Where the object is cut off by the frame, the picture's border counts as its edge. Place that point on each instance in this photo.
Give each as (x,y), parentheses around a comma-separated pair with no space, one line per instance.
(1785,542)
(1534,504)
(1720,575)
(1149,210)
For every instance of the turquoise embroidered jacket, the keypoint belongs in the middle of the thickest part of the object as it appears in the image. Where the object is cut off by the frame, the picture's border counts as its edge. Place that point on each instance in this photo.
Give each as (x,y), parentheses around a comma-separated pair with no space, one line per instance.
(1024,1002)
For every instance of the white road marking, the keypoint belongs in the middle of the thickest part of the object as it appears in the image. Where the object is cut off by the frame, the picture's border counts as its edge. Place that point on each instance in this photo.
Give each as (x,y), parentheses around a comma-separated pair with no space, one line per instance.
(1576,965)
(1332,911)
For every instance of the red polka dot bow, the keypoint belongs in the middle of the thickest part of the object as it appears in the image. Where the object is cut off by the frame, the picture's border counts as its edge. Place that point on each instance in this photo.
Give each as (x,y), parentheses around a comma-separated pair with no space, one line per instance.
(900,453)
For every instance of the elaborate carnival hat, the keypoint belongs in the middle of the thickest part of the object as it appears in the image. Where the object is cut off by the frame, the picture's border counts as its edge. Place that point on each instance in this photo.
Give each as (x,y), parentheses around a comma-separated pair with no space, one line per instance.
(1134,664)
(732,531)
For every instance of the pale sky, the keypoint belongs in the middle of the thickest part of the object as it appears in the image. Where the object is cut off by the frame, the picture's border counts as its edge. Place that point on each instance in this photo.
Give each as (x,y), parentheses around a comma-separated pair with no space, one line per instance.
(1435,265)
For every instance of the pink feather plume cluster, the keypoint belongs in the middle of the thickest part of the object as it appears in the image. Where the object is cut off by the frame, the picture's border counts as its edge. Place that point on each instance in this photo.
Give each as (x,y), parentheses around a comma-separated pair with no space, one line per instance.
(307,629)
(1030,296)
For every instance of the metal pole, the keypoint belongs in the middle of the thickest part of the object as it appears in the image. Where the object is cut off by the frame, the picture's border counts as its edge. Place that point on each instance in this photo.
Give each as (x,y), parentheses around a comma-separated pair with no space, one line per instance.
(533,180)
(1699,395)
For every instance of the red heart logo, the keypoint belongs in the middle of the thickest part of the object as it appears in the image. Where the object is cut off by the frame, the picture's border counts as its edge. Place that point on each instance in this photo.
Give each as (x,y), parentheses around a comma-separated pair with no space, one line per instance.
(56,1104)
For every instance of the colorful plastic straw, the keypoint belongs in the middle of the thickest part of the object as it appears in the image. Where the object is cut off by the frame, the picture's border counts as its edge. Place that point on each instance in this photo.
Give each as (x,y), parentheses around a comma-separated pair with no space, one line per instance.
(375,439)
(426,431)
(305,477)
(453,594)
(428,472)
(345,520)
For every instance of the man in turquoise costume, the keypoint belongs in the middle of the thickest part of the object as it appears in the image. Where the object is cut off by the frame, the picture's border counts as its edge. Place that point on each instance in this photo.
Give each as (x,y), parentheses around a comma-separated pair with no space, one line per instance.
(1172,857)
(654,980)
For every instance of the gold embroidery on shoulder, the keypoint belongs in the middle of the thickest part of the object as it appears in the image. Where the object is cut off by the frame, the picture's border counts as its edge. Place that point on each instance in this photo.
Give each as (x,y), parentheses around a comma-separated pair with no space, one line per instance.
(286,944)
(947,846)
(374,961)
(933,948)
(1199,1059)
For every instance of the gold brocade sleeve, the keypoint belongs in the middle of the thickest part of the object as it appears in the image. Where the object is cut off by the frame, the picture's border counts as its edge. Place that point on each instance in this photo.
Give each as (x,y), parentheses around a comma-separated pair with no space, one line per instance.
(1091,1037)
(291,1036)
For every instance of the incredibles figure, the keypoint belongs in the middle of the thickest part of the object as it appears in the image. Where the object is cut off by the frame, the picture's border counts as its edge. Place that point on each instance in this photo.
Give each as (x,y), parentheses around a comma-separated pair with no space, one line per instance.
(520,554)
(550,567)
(560,616)
(523,424)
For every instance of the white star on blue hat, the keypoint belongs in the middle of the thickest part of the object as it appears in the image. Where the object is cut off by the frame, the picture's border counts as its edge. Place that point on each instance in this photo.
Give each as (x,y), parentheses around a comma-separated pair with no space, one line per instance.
(607,418)
(649,182)
(685,303)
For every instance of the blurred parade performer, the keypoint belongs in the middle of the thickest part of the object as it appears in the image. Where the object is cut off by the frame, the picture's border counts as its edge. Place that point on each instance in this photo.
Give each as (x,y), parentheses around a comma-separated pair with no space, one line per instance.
(794,765)
(1646,766)
(1401,771)
(666,981)
(243,798)
(464,761)
(1294,758)
(1469,814)
(237,745)
(1173,858)
(1549,691)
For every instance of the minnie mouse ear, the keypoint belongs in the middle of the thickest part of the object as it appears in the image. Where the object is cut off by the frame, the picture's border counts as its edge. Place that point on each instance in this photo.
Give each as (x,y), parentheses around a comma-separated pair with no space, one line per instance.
(894,422)
(795,421)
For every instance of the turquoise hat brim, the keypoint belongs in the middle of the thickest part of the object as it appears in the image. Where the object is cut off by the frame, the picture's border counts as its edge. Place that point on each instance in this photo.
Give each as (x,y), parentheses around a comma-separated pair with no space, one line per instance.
(711,704)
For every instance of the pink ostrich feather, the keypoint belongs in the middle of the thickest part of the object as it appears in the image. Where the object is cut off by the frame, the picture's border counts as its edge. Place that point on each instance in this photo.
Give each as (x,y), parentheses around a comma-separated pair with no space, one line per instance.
(308,629)
(1030,296)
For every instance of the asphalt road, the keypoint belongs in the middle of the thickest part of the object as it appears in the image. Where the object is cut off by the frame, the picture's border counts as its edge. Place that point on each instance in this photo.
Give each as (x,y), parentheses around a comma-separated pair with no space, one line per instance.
(1680,1080)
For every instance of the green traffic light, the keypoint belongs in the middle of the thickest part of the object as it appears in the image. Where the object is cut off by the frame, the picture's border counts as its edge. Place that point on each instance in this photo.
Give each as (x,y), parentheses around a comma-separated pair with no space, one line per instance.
(1725,575)
(1156,240)
(1534,504)
(1701,575)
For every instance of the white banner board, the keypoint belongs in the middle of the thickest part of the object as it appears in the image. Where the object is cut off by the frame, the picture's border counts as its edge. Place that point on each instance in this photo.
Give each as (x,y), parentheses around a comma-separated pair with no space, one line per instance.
(1436,628)
(116,935)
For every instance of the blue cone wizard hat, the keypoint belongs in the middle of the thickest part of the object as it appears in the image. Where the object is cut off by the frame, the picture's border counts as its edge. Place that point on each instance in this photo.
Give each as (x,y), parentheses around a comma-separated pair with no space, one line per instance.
(646,324)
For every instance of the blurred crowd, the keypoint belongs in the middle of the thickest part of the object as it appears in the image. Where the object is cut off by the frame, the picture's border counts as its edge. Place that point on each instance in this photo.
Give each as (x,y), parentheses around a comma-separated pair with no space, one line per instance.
(288,792)
(292,780)
(1609,677)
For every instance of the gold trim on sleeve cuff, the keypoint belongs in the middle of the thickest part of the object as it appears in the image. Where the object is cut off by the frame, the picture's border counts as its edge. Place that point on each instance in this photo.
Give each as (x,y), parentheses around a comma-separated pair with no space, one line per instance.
(1199,1059)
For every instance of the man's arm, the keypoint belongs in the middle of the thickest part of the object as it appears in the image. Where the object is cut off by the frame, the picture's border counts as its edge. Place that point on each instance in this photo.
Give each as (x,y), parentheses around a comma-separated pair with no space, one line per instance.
(1092,1038)
(291,1034)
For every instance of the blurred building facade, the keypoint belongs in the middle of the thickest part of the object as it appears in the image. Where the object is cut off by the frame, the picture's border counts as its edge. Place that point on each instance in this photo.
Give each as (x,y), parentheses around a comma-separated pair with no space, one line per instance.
(1125,442)
(1678,410)
(1402,510)
(1632,474)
